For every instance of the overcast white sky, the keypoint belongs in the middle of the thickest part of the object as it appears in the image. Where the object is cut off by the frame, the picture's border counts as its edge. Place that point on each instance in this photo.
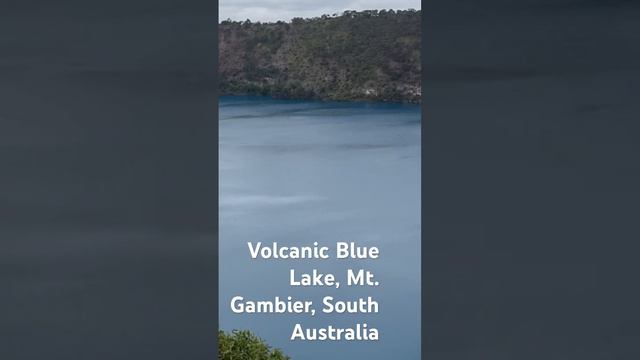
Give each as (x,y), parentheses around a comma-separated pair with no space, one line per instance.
(273,10)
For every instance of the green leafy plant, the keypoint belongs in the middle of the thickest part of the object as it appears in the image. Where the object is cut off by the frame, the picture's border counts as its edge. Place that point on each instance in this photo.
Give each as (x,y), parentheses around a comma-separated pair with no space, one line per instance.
(244,345)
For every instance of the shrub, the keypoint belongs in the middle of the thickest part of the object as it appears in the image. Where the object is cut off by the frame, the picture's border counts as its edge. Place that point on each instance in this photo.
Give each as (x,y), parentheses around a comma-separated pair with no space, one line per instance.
(244,345)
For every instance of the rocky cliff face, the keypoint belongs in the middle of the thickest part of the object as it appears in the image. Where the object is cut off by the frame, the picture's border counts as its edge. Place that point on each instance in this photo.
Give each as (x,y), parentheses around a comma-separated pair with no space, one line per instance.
(369,55)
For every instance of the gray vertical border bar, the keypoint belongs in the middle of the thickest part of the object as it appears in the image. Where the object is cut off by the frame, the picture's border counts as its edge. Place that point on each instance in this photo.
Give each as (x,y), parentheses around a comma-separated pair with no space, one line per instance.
(423,133)
(216,261)
(108,187)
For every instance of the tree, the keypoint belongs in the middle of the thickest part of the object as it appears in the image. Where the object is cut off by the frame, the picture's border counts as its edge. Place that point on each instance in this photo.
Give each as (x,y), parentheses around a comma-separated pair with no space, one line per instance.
(244,345)
(337,57)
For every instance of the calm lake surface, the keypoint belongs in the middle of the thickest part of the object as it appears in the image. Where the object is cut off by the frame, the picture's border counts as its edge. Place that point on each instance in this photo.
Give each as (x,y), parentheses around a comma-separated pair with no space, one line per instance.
(296,172)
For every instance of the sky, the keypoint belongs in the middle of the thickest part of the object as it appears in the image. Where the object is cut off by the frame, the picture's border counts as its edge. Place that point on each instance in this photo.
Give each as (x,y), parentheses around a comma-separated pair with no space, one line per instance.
(274,10)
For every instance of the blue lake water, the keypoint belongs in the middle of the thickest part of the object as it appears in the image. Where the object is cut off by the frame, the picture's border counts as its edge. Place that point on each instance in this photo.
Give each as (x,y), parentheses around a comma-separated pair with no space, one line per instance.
(296,172)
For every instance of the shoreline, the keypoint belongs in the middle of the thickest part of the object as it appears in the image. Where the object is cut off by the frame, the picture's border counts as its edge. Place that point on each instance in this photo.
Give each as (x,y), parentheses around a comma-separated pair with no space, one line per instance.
(320,99)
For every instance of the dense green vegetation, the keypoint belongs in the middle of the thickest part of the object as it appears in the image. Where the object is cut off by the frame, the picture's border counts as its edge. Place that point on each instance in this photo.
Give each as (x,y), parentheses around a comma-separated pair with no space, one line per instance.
(371,55)
(244,345)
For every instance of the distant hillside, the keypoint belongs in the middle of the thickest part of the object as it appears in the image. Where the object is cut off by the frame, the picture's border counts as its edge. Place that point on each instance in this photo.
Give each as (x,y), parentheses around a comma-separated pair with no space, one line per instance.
(367,55)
